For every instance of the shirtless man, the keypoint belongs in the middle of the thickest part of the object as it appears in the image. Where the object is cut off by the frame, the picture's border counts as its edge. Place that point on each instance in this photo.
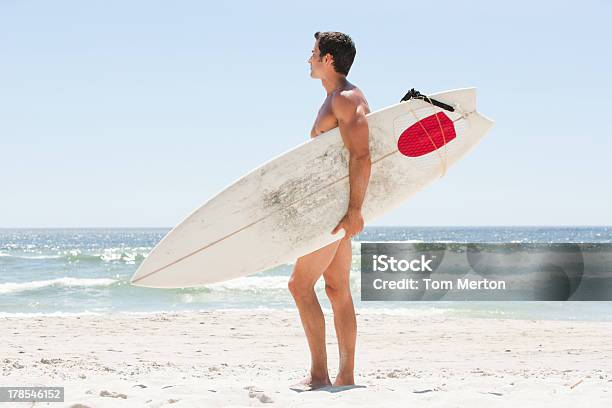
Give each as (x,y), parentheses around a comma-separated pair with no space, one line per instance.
(346,107)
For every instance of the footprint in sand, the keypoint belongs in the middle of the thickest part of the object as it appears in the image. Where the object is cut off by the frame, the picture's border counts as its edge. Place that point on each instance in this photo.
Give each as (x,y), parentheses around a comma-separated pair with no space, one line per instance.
(110,394)
(255,393)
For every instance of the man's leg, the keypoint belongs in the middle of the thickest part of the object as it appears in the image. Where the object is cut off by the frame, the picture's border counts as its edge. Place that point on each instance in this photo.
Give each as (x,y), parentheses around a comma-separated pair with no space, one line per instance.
(337,287)
(308,269)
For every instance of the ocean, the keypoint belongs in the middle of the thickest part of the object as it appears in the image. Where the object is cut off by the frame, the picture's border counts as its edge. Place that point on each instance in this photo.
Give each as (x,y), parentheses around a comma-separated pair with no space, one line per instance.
(87,271)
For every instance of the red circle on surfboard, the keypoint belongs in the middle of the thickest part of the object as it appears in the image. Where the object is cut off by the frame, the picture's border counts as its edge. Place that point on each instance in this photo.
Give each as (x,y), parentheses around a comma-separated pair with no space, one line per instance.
(426,135)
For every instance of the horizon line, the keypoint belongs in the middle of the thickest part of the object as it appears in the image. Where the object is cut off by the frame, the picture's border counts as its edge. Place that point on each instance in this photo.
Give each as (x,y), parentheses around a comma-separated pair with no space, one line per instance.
(368,226)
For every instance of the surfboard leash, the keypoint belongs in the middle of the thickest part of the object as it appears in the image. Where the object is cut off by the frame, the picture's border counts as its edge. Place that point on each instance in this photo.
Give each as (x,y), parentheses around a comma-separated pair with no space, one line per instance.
(414,94)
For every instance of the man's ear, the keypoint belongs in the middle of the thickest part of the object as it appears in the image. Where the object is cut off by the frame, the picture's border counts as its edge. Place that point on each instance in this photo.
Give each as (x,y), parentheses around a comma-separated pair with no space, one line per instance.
(328,59)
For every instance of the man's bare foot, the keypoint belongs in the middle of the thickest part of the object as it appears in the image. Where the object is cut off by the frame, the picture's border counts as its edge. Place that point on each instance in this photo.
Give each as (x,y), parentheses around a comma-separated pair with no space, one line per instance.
(344,380)
(310,384)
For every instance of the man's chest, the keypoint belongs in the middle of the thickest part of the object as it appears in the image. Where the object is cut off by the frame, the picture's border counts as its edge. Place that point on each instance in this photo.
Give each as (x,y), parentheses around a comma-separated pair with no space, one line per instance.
(325,120)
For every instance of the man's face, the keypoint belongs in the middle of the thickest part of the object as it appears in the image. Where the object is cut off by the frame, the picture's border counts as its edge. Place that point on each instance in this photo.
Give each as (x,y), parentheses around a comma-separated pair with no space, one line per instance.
(317,64)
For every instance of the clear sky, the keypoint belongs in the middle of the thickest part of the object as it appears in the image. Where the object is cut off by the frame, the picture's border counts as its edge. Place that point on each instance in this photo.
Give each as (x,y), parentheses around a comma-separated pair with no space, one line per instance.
(133,113)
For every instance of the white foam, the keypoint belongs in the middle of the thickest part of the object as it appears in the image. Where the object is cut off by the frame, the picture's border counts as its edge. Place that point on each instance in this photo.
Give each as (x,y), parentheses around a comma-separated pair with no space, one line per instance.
(15,287)
(30,256)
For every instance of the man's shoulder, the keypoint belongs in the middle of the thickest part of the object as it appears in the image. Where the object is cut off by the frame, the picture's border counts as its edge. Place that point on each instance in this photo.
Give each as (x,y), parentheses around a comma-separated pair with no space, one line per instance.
(351,92)
(343,98)
(347,100)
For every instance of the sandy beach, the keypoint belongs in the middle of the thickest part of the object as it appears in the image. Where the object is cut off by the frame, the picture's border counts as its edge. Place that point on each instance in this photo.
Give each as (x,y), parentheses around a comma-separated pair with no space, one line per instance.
(250,358)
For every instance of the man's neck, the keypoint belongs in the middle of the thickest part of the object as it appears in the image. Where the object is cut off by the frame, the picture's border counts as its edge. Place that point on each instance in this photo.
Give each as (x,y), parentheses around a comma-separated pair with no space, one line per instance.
(334,83)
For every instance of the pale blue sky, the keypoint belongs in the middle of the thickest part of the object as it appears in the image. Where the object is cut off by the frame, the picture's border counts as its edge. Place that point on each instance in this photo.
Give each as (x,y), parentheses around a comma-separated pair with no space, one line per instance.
(133,113)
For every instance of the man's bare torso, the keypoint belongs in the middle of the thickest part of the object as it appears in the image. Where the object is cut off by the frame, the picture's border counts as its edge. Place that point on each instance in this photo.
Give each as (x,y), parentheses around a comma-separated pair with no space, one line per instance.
(326,119)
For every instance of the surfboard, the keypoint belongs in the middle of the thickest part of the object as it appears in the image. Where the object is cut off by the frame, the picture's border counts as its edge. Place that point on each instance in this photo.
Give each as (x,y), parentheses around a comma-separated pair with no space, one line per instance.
(287,207)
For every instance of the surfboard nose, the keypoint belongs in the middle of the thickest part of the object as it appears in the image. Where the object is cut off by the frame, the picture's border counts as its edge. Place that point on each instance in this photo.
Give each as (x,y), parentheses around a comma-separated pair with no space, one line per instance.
(140,277)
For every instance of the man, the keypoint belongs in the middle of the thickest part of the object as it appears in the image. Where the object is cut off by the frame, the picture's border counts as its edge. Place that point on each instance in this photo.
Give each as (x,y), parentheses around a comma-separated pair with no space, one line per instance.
(346,107)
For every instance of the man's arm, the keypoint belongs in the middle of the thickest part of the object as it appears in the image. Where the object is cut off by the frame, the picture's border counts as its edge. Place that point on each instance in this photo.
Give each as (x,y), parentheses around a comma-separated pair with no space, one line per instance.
(355,134)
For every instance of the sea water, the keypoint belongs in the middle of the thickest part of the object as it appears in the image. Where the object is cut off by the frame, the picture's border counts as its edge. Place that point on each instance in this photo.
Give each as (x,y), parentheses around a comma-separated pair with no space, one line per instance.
(68,271)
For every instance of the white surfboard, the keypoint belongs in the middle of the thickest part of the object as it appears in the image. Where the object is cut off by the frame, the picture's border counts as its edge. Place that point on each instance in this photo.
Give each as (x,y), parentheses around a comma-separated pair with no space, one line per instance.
(288,206)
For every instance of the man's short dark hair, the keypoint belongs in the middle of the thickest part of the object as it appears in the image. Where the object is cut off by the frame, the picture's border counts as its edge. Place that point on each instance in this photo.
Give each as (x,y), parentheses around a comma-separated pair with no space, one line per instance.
(340,46)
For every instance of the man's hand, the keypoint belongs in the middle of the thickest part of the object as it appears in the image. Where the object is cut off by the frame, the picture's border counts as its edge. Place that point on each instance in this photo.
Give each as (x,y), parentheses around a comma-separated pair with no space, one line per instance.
(352,223)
